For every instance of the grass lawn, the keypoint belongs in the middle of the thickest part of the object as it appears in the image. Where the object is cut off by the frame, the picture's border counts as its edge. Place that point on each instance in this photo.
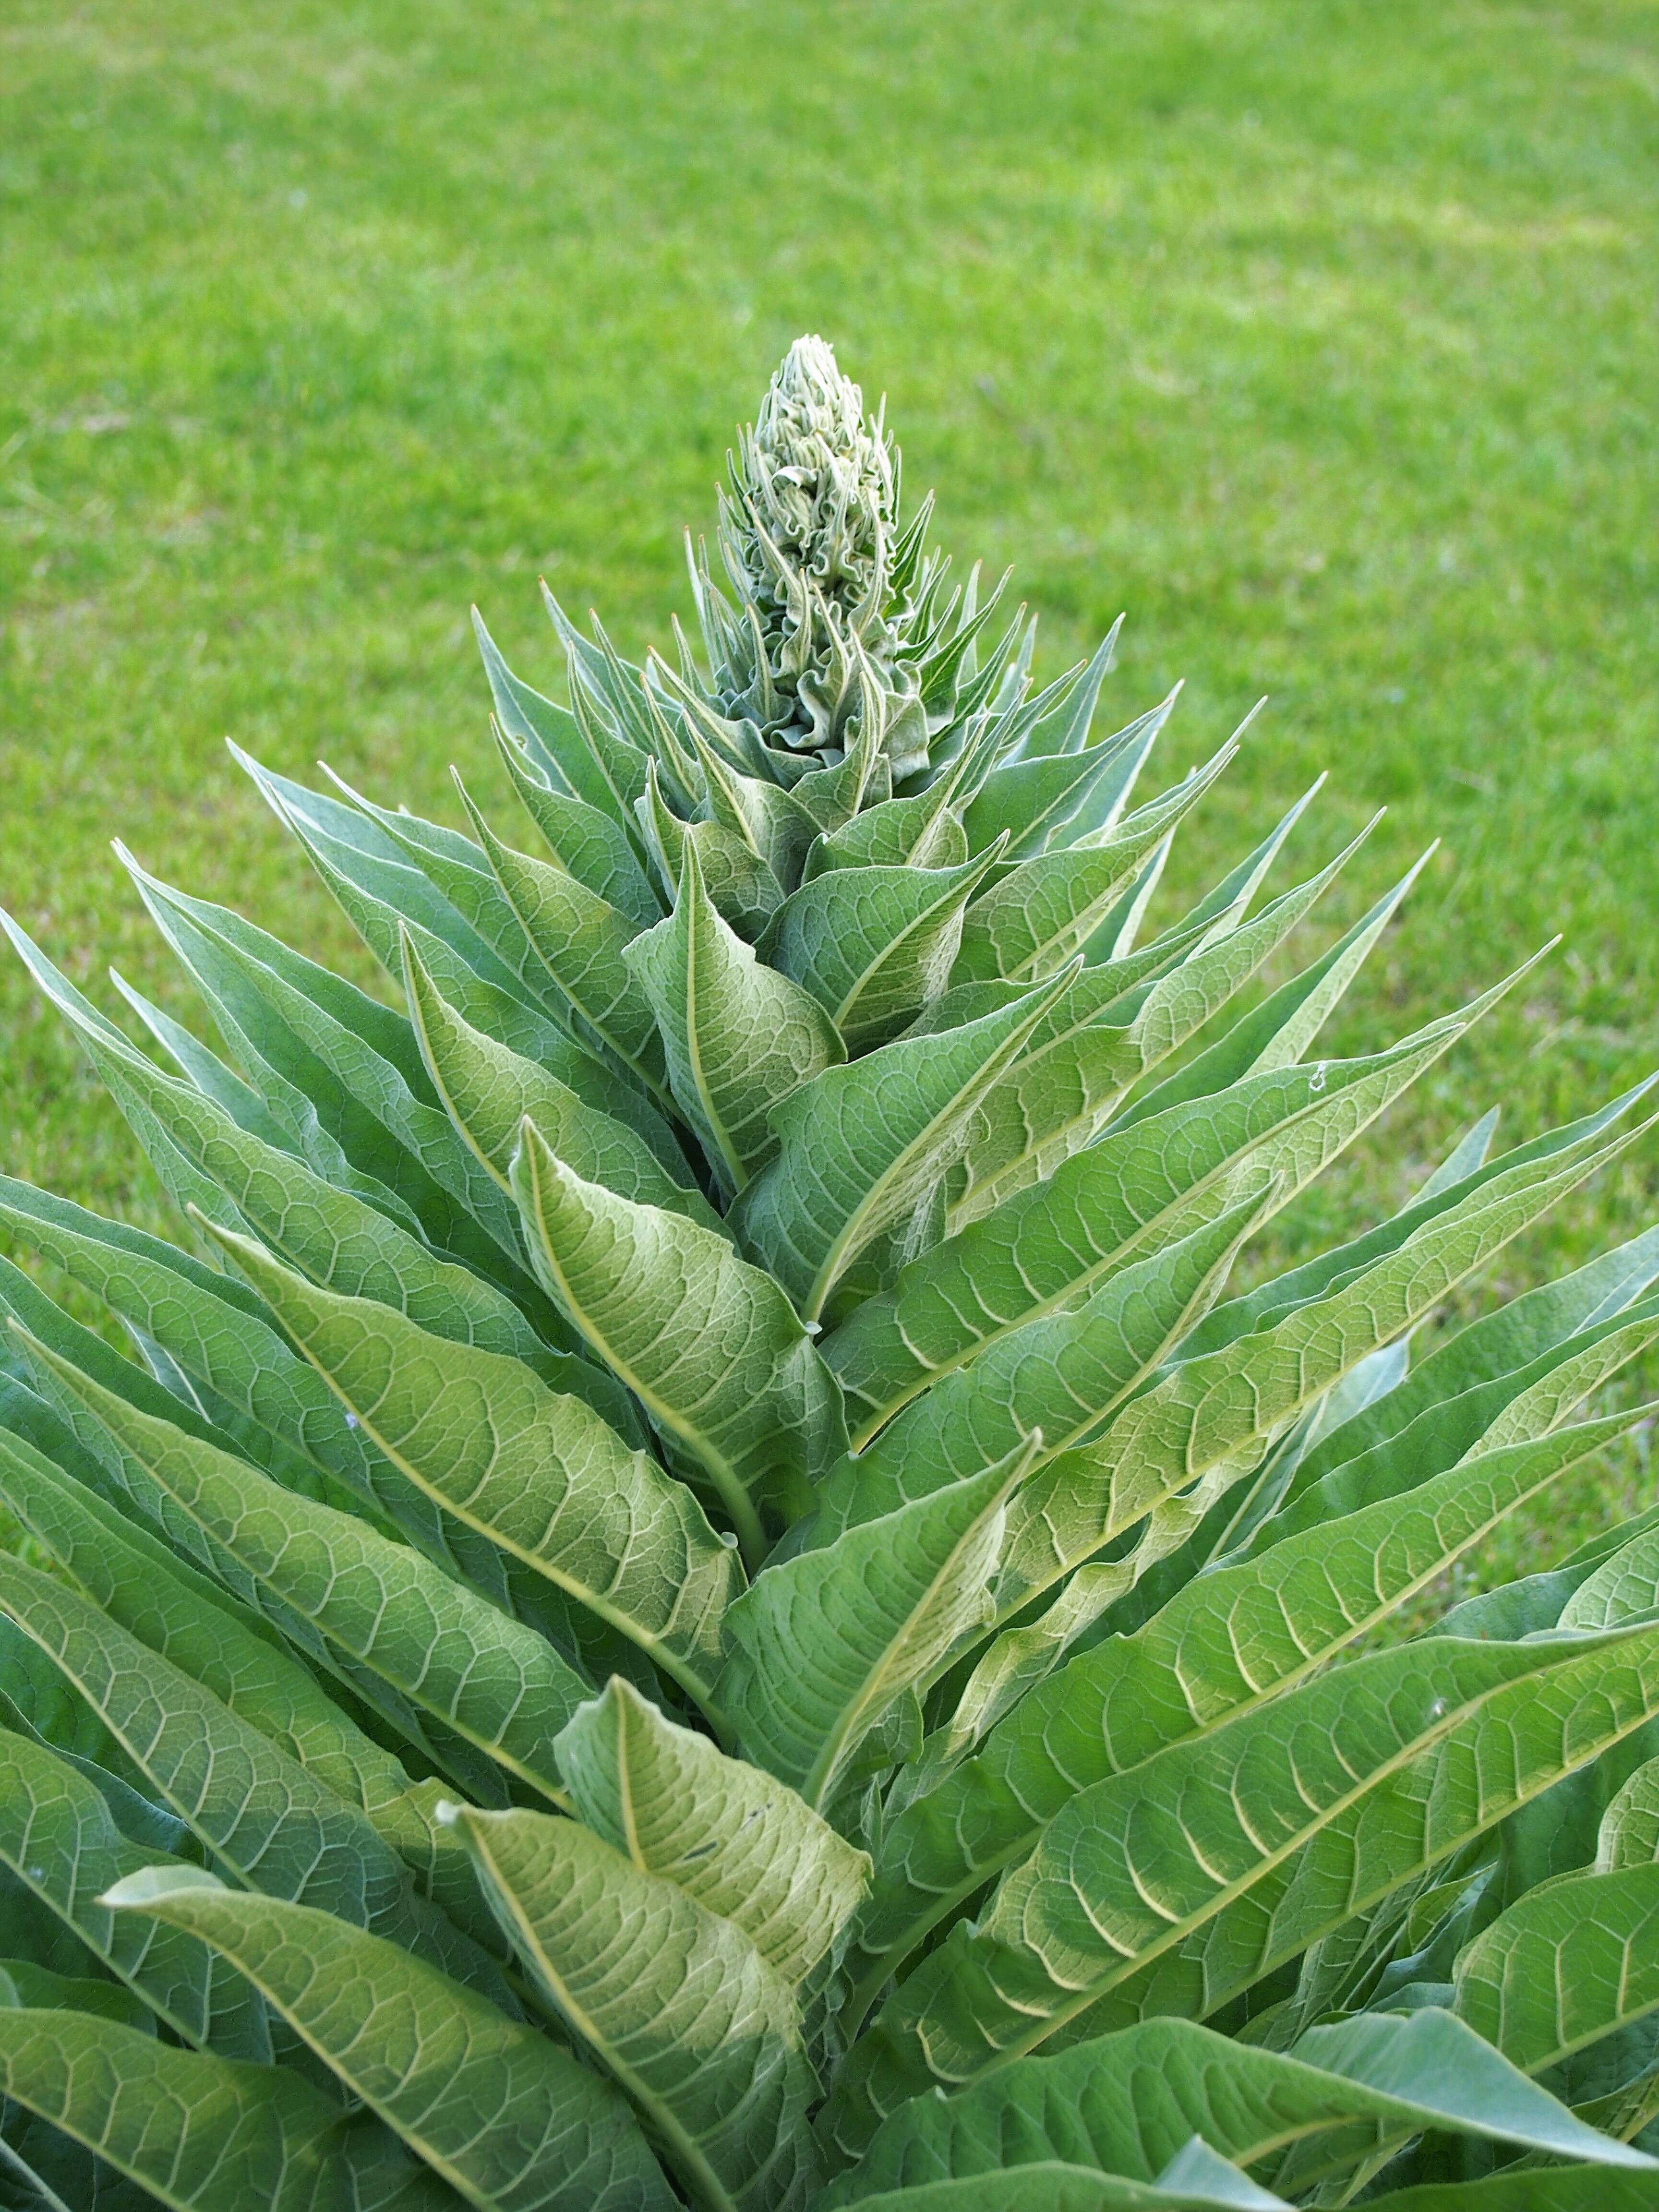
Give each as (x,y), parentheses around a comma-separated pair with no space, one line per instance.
(1320,337)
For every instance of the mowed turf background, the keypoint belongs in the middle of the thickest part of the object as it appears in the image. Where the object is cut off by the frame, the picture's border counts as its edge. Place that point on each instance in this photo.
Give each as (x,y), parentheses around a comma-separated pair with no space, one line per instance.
(1321,337)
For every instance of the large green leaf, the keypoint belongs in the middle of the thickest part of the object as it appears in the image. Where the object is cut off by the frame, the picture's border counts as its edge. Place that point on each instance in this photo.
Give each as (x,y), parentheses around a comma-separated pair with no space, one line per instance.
(1130,1193)
(873,944)
(591,845)
(494,1682)
(1042,912)
(862,1145)
(1170,1888)
(1189,1438)
(739,1037)
(709,1345)
(1225,1644)
(580,939)
(824,1645)
(488,1090)
(740,885)
(674,2002)
(1629,1827)
(1196,2181)
(59,1838)
(1079,1061)
(509,2119)
(1130,2103)
(548,733)
(1063,1375)
(746,1847)
(201,2133)
(268,1819)
(178,1611)
(1575,1961)
(537,1472)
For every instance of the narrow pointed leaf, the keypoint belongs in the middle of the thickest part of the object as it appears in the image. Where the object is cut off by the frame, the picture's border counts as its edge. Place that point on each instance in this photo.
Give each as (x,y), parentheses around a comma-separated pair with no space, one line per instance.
(674,2002)
(488,1090)
(1044,911)
(708,1344)
(588,844)
(201,2133)
(535,1472)
(873,944)
(511,2121)
(739,1842)
(739,1037)
(824,1644)
(861,1145)
(58,1838)
(1228,1641)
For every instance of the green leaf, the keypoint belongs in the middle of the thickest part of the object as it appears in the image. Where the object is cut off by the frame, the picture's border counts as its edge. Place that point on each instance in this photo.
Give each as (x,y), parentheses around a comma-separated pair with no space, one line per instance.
(1276,1033)
(263,1814)
(1183,1444)
(708,1344)
(591,846)
(1043,912)
(1130,2103)
(174,1610)
(1079,1061)
(347,1067)
(738,1036)
(675,2003)
(1172,1886)
(535,1472)
(1036,797)
(862,1145)
(738,1841)
(1049,2185)
(489,1091)
(1630,1826)
(824,1645)
(580,938)
(1128,1194)
(507,2118)
(24,1984)
(496,1683)
(741,886)
(873,944)
(203,2134)
(1063,1375)
(1227,1642)
(1571,1962)
(549,734)
(59,1839)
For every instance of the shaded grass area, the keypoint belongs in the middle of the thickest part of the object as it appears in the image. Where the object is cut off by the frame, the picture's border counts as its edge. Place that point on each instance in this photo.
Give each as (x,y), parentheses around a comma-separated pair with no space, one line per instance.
(1319,336)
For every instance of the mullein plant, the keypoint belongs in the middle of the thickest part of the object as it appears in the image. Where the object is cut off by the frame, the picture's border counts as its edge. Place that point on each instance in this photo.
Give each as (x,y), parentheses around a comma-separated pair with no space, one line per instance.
(692,1587)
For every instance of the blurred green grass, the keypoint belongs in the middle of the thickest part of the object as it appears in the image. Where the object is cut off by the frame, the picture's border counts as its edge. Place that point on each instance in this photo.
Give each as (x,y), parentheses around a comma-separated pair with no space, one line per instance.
(1320,337)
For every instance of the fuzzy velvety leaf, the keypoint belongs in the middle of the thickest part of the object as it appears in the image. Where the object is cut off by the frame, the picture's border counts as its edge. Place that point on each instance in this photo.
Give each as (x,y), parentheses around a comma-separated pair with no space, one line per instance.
(707,1344)
(1629,1827)
(488,1090)
(824,1644)
(1035,918)
(739,1037)
(742,887)
(861,1145)
(1226,1642)
(1063,1375)
(537,1472)
(580,938)
(548,733)
(1575,1961)
(59,1838)
(740,1842)
(201,2133)
(1130,2103)
(495,1682)
(873,944)
(1131,1193)
(505,2116)
(591,845)
(1172,1886)
(675,2003)
(261,1813)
